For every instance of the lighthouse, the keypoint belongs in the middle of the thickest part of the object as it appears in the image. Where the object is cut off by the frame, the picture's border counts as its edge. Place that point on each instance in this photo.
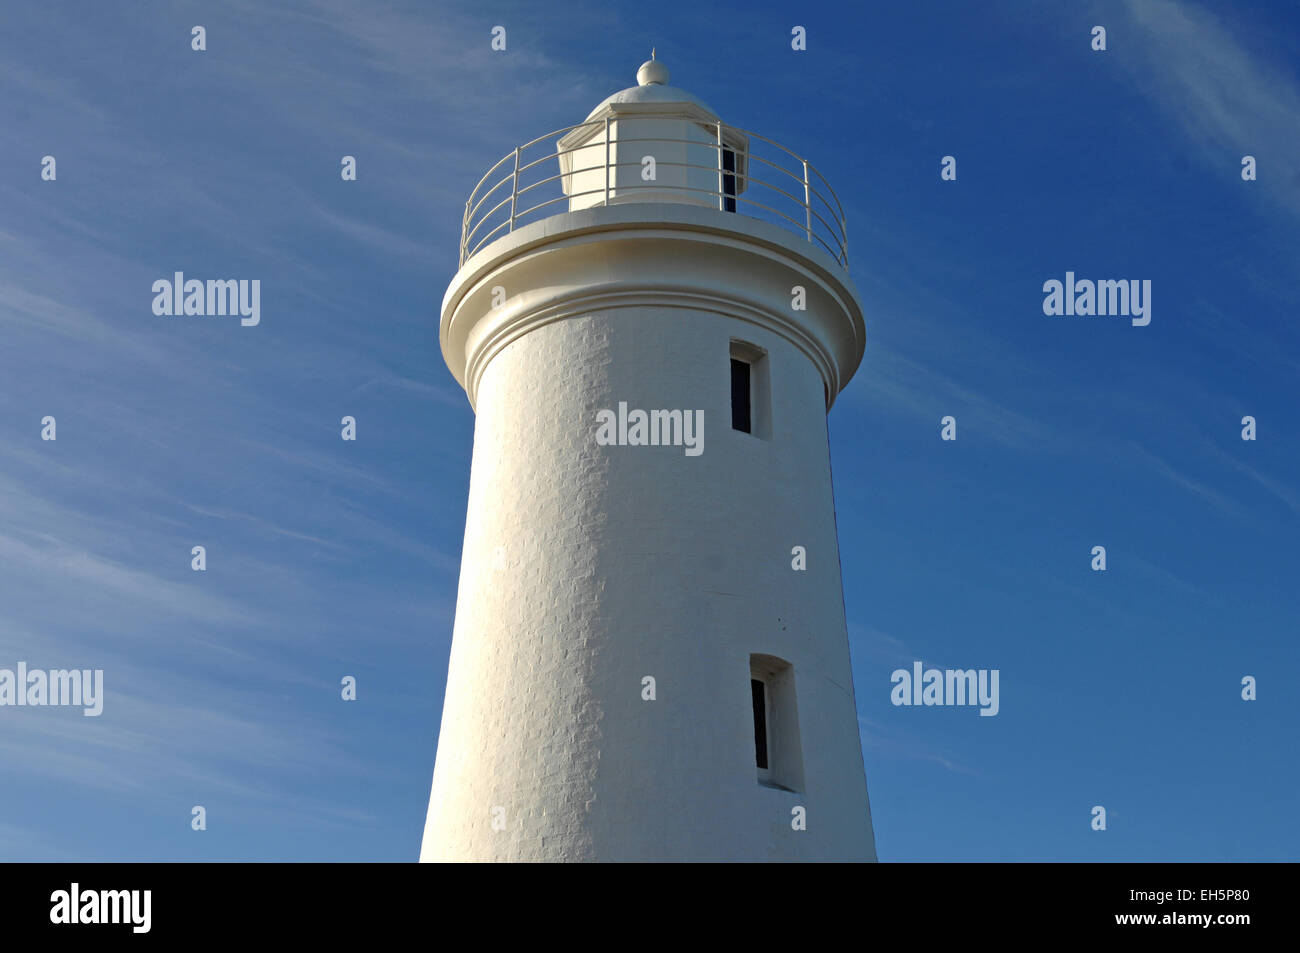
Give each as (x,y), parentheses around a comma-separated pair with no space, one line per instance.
(652,317)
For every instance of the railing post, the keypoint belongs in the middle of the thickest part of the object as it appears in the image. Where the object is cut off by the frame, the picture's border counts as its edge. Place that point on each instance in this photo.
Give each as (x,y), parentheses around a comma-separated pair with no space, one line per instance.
(807,202)
(722,202)
(606,160)
(464,230)
(514,189)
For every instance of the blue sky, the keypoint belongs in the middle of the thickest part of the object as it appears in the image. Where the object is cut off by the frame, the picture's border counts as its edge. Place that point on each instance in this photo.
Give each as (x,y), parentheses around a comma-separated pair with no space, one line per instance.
(328,558)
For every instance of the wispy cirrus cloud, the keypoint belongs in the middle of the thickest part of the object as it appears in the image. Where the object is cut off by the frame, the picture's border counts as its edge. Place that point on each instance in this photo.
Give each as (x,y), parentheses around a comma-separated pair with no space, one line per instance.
(880,740)
(1224,98)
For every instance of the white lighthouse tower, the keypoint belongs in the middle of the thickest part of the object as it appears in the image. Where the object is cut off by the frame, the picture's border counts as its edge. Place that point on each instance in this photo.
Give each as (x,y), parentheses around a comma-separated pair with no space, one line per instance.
(650,659)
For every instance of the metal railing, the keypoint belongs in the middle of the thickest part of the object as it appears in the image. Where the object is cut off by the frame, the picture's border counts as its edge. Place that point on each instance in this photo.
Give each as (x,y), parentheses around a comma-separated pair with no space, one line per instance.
(522,192)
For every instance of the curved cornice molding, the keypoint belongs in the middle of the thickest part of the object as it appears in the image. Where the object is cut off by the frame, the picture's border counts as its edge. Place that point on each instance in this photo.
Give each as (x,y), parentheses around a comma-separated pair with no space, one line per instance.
(651,255)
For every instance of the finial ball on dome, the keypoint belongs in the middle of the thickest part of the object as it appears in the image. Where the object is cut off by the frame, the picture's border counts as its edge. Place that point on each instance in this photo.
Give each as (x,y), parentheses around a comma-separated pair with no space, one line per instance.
(652,72)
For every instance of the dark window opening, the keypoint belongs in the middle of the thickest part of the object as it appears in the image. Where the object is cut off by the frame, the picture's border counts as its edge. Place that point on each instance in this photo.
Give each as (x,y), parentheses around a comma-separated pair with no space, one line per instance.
(760,722)
(776,723)
(728,180)
(740,416)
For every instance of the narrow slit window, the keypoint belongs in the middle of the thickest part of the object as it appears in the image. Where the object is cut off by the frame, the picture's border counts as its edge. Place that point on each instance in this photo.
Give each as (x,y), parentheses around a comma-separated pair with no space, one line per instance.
(760,722)
(751,384)
(740,406)
(729,180)
(777,750)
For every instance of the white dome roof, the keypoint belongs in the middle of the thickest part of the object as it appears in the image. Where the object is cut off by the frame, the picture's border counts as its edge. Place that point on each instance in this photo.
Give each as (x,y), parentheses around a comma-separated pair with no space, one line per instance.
(653,88)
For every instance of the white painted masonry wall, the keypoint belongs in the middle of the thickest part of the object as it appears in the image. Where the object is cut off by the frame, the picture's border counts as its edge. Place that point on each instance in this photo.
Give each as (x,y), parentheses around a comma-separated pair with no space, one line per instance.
(587,567)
